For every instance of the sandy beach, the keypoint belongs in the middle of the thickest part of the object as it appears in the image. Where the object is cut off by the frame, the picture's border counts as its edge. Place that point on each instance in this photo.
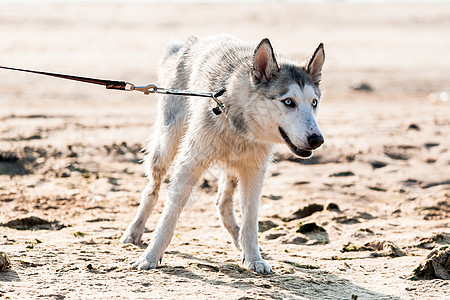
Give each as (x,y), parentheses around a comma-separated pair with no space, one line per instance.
(377,191)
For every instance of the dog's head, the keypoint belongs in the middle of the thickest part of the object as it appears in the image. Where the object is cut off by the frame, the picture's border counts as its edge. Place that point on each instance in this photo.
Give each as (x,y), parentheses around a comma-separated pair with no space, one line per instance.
(285,99)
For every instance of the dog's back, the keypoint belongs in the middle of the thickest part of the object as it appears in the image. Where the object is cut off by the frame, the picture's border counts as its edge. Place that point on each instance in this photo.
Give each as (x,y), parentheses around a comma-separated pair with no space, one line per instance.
(204,63)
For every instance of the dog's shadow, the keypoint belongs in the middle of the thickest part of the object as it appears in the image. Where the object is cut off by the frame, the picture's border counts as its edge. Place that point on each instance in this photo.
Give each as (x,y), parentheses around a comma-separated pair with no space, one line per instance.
(312,284)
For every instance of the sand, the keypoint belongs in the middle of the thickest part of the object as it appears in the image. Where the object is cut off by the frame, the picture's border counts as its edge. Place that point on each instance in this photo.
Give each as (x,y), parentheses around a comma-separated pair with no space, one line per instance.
(377,192)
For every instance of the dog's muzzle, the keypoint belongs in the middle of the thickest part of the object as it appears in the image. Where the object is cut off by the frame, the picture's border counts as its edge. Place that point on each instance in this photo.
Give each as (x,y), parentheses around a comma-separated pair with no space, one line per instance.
(297,151)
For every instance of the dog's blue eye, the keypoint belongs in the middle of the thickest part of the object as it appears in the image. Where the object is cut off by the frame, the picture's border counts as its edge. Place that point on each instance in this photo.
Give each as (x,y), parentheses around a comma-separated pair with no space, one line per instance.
(288,102)
(314,103)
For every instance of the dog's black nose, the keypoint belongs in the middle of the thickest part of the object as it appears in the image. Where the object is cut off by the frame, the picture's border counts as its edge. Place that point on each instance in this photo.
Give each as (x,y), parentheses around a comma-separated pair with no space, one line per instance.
(315,140)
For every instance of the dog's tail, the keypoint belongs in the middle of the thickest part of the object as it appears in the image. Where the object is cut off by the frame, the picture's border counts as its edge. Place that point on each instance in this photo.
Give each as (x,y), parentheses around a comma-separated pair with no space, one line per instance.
(171,48)
(171,57)
(174,46)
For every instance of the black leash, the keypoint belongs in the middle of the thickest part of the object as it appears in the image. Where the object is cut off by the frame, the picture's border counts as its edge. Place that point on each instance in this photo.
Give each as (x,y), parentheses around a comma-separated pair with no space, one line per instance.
(127,86)
(109,84)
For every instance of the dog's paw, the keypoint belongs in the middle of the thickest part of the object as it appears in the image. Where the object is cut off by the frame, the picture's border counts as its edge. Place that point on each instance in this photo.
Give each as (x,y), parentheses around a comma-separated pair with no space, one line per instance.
(143,264)
(259,266)
(131,237)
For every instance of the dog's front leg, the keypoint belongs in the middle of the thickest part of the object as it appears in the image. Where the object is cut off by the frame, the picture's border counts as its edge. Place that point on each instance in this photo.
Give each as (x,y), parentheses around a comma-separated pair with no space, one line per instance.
(185,177)
(251,183)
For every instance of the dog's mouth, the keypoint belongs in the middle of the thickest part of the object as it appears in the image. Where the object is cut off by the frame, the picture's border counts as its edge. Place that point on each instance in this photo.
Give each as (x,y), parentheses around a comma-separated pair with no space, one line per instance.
(297,151)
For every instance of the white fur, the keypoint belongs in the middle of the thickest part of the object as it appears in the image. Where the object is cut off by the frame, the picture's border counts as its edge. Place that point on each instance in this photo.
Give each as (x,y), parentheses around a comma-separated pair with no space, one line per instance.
(240,142)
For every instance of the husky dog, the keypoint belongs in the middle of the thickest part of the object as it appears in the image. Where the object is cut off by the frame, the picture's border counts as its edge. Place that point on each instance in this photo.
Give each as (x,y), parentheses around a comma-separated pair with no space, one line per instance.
(268,100)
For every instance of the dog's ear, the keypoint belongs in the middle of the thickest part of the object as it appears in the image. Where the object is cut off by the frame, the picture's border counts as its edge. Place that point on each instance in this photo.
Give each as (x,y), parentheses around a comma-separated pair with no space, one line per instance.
(265,66)
(315,63)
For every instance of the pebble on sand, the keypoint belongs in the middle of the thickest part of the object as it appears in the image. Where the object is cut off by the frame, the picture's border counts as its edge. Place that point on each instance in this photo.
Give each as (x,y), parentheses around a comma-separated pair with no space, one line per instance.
(361,86)
(435,266)
(5,264)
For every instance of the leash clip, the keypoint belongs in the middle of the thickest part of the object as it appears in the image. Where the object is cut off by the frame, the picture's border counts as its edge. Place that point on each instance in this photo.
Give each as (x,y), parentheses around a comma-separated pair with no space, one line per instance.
(146,89)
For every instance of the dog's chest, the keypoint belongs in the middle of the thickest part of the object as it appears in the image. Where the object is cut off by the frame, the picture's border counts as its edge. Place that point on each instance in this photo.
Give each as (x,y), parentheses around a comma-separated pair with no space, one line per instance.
(237,154)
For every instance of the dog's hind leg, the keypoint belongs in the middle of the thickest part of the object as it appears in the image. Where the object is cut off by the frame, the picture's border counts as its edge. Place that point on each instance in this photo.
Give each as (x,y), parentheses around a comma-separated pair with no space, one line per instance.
(160,153)
(186,175)
(225,208)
